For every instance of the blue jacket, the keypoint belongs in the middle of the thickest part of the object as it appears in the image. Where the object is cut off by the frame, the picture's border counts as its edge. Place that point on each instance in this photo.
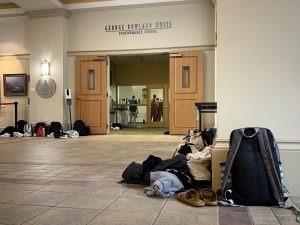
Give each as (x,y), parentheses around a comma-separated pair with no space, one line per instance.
(163,184)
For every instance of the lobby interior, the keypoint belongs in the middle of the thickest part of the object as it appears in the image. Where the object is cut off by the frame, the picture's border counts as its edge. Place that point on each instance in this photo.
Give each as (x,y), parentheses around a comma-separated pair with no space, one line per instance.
(249,54)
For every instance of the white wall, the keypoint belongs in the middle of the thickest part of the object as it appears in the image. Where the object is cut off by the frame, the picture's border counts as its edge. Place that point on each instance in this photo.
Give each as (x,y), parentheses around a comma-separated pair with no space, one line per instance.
(12,65)
(258,66)
(13,41)
(192,25)
(209,86)
(14,35)
(258,73)
(47,43)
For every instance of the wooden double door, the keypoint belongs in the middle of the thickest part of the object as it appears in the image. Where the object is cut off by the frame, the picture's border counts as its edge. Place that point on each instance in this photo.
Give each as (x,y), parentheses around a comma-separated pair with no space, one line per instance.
(185,89)
(91,92)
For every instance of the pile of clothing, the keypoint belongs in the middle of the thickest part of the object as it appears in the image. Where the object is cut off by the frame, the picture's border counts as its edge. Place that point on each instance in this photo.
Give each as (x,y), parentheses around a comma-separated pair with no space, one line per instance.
(161,177)
(189,168)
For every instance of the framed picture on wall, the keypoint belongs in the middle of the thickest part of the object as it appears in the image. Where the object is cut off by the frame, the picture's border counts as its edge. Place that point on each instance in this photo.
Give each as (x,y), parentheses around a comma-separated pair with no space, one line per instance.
(15,84)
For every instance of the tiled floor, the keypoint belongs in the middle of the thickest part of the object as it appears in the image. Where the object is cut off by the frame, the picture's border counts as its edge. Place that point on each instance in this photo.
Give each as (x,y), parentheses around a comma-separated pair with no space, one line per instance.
(47,181)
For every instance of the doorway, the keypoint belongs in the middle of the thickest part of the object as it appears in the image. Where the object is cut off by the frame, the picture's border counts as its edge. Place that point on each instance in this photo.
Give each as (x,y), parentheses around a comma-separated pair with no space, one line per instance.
(176,82)
(139,76)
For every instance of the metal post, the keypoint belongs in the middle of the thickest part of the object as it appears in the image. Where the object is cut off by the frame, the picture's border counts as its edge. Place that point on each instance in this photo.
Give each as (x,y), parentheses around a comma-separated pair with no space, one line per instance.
(70,117)
(16,114)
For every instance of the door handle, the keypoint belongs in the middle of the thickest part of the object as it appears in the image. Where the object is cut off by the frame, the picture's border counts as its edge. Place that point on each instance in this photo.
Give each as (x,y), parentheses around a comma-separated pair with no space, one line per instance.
(79,97)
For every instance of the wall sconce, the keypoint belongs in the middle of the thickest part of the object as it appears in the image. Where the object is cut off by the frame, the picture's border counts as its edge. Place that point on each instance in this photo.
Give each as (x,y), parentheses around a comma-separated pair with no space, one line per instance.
(45,68)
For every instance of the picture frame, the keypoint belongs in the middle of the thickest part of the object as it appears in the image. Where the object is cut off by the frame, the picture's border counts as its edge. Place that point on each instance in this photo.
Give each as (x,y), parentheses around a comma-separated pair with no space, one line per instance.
(15,84)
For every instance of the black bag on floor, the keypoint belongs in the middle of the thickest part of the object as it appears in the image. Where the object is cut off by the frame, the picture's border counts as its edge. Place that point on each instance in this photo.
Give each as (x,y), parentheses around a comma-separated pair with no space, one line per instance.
(133,173)
(81,128)
(9,129)
(55,127)
(254,163)
(20,126)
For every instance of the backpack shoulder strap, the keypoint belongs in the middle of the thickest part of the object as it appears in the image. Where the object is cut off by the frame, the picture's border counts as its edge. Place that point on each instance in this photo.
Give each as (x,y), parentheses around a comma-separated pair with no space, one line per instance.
(234,143)
(270,166)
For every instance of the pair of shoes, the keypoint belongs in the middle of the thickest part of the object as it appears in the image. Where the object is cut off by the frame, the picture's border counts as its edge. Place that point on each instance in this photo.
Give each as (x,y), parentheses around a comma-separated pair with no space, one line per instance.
(190,197)
(209,197)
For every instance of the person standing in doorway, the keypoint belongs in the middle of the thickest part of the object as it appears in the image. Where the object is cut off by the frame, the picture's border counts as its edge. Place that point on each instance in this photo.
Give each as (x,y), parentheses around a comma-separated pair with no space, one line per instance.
(123,113)
(154,108)
(133,110)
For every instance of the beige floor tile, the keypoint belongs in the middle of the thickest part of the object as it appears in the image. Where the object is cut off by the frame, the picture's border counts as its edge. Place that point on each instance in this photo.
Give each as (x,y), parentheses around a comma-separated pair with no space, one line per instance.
(8,195)
(31,181)
(9,176)
(135,191)
(260,210)
(68,182)
(185,219)
(137,203)
(281,212)
(295,199)
(64,216)
(110,191)
(287,220)
(43,198)
(62,188)
(124,218)
(98,177)
(88,201)
(17,214)
(237,218)
(264,219)
(175,206)
(21,187)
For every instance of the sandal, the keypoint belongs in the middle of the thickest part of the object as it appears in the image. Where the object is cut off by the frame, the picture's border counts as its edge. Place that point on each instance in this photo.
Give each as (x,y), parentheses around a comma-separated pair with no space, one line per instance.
(190,197)
(209,197)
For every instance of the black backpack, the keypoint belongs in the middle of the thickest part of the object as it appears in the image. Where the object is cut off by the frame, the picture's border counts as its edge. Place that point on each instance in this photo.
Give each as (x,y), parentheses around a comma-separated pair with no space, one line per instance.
(55,127)
(20,126)
(81,128)
(253,162)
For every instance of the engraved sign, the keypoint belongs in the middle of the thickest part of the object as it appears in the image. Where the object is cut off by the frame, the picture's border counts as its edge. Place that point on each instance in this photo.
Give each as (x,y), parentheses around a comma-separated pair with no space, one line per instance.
(138,28)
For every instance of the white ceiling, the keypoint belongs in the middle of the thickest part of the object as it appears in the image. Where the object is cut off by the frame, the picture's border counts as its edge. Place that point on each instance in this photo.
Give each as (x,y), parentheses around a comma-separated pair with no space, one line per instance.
(36,5)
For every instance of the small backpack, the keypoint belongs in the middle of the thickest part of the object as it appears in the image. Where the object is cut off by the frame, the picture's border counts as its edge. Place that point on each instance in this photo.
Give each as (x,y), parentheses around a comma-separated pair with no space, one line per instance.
(40,131)
(43,125)
(81,128)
